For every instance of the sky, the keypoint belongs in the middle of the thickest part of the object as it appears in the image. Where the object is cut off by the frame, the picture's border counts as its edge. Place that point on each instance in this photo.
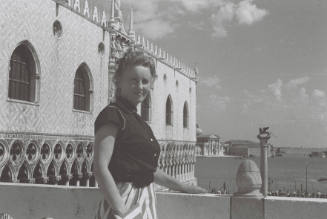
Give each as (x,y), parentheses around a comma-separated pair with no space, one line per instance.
(261,62)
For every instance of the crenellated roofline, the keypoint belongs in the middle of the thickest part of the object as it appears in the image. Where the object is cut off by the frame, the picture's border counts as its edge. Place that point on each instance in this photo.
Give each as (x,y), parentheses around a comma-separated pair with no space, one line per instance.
(114,24)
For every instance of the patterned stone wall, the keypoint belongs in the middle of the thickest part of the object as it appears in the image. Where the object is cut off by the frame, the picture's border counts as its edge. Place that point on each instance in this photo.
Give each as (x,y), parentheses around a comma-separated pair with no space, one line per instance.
(57,59)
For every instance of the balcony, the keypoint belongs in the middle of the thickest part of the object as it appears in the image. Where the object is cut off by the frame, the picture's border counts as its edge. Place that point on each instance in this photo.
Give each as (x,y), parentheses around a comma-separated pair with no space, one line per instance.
(31,201)
(70,192)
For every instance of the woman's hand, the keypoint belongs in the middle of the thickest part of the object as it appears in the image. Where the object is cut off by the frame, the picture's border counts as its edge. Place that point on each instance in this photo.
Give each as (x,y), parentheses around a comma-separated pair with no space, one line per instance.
(164,179)
(192,189)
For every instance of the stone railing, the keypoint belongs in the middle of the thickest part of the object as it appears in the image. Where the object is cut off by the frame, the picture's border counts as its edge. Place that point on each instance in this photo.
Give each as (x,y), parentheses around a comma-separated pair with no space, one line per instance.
(45,201)
(177,158)
(47,159)
(209,149)
(68,160)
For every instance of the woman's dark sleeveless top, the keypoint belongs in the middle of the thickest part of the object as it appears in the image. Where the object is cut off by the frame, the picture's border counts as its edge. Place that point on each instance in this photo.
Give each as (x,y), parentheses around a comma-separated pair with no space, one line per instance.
(136,150)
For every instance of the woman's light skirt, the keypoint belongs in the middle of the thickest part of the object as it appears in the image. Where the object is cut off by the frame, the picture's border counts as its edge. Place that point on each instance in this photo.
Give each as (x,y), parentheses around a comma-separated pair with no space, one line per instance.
(140,202)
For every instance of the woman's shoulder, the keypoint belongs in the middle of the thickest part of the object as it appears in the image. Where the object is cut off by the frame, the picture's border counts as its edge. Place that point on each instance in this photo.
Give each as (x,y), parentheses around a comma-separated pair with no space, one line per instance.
(110,114)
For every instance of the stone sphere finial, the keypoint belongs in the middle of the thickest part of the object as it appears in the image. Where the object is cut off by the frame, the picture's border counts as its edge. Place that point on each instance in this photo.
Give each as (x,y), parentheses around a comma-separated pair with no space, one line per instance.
(248,179)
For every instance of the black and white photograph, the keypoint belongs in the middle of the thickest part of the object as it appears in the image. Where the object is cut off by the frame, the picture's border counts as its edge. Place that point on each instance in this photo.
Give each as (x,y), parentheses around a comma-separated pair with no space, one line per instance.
(163,109)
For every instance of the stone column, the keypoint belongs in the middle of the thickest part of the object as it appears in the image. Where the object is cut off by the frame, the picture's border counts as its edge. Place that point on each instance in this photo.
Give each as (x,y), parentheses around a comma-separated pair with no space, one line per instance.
(264,136)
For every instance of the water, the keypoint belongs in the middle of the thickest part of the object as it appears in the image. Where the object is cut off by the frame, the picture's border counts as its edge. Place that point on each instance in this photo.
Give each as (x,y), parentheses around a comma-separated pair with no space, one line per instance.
(285,173)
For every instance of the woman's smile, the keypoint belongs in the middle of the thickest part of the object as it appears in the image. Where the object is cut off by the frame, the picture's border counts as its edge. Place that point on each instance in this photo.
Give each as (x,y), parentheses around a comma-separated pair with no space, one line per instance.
(135,84)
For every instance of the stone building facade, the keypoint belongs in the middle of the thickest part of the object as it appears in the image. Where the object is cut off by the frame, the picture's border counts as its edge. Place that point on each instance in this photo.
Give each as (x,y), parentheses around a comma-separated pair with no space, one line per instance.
(57,62)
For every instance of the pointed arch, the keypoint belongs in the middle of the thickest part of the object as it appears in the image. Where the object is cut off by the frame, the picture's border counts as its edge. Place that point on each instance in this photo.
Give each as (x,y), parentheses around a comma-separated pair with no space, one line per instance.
(74,171)
(23,174)
(146,109)
(63,172)
(185,115)
(24,73)
(83,88)
(37,173)
(169,111)
(7,174)
(51,173)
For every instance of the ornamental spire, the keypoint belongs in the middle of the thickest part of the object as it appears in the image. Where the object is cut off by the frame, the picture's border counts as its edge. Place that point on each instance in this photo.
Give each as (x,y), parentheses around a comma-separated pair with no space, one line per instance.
(112,17)
(131,32)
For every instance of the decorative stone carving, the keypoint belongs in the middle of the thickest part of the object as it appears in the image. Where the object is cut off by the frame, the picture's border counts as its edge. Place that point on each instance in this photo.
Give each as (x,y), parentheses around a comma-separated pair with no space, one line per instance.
(57,151)
(248,179)
(49,161)
(89,150)
(16,152)
(69,151)
(31,152)
(4,155)
(45,152)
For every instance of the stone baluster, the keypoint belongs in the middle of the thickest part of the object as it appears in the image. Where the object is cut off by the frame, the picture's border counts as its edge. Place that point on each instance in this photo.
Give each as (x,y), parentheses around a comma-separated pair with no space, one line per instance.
(181,162)
(177,161)
(185,162)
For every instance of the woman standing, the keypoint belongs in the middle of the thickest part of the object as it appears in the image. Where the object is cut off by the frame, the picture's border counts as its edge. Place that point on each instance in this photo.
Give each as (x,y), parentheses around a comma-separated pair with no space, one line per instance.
(126,152)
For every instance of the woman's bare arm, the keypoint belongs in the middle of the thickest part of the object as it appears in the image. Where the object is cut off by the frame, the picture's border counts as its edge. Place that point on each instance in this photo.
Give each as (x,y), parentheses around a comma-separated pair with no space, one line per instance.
(103,149)
(163,179)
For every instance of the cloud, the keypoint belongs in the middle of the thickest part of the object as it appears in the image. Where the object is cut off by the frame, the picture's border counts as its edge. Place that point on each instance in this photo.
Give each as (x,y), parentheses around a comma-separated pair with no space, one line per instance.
(297,82)
(290,102)
(302,95)
(245,12)
(276,89)
(248,13)
(149,20)
(212,82)
(318,93)
(197,5)
(250,100)
(293,88)
(155,29)
(225,14)
(219,103)
(167,14)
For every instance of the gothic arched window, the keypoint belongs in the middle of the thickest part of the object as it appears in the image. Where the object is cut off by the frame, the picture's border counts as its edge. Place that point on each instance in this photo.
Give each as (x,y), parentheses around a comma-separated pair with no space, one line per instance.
(146,109)
(82,88)
(169,111)
(185,115)
(22,74)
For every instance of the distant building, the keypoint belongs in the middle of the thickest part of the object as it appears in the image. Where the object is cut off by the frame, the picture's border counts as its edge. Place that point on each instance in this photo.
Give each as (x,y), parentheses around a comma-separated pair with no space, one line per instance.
(322,154)
(244,148)
(209,145)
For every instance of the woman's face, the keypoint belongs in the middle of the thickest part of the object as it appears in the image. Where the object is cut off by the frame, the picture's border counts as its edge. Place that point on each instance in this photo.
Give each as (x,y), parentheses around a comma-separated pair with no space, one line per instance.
(135,83)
